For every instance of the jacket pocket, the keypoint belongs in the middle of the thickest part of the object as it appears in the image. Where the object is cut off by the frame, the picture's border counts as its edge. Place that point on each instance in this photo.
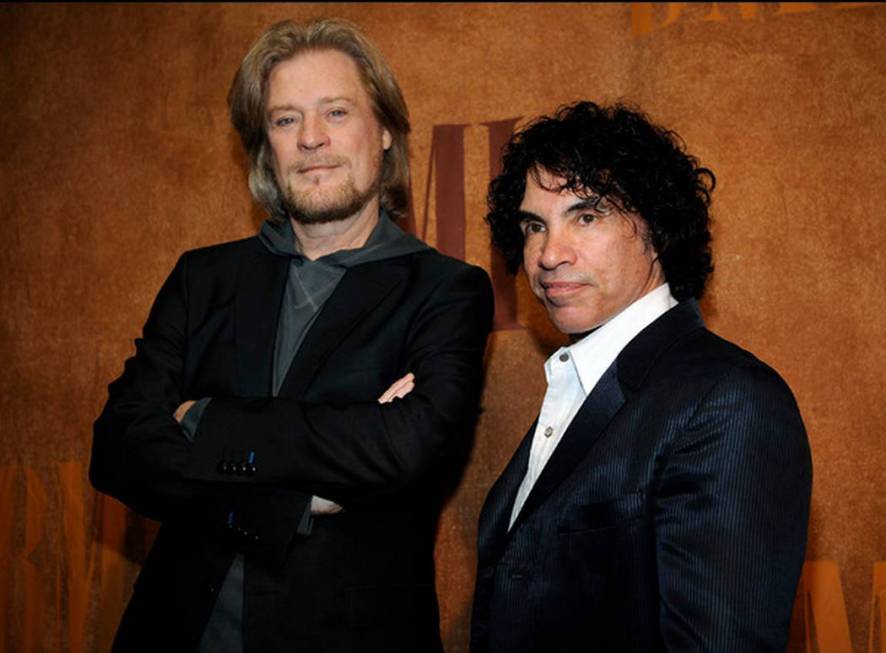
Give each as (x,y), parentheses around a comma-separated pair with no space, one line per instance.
(603,514)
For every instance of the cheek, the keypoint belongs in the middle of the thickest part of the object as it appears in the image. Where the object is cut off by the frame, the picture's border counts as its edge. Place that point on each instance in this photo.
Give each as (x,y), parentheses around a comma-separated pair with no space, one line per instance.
(280,158)
(530,259)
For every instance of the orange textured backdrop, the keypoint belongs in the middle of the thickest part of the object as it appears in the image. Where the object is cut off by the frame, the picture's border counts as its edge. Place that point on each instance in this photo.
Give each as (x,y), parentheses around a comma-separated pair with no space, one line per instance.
(116,155)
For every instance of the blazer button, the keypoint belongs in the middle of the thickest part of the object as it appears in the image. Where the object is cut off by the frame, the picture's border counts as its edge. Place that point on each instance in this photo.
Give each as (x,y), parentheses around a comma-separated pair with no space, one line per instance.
(210,588)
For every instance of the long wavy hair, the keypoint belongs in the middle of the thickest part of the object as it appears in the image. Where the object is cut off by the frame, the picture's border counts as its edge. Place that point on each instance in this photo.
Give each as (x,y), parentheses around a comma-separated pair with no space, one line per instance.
(617,153)
(247,100)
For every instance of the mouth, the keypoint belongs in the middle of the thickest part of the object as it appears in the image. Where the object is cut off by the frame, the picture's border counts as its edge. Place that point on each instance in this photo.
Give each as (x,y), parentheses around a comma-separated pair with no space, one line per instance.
(318,167)
(559,290)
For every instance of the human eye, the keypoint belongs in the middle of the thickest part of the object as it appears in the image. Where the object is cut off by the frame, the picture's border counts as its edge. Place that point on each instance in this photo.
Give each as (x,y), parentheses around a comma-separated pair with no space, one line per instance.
(337,114)
(529,227)
(587,219)
(283,121)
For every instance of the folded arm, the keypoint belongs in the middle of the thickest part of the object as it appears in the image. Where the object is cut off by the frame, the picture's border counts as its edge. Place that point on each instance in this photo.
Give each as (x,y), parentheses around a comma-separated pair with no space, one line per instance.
(351,452)
(360,452)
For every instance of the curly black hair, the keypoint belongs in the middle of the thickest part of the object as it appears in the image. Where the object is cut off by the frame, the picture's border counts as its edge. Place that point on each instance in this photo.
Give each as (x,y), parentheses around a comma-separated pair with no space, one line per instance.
(617,153)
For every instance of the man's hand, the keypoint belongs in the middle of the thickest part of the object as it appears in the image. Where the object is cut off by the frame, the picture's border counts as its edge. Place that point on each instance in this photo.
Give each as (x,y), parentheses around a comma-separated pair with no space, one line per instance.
(320,506)
(179,413)
(399,389)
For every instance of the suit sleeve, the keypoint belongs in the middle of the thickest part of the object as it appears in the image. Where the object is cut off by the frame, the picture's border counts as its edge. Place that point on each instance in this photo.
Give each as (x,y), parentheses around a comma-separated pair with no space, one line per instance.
(358,453)
(139,451)
(351,453)
(732,510)
(140,454)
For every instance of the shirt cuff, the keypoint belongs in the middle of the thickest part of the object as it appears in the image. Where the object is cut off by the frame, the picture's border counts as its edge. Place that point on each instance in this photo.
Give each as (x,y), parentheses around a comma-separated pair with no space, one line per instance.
(191,420)
(306,523)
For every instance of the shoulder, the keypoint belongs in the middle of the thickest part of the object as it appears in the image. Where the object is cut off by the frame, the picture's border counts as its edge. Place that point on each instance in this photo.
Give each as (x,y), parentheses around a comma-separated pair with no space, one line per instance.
(430,269)
(431,259)
(456,277)
(704,353)
(716,381)
(221,260)
(225,252)
(678,362)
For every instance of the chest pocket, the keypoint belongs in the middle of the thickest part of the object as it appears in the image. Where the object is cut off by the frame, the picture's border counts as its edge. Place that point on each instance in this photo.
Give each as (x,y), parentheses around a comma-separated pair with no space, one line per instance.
(603,514)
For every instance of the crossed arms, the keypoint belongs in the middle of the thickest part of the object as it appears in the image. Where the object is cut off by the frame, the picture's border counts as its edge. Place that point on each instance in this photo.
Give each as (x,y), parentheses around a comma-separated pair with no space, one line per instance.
(355,453)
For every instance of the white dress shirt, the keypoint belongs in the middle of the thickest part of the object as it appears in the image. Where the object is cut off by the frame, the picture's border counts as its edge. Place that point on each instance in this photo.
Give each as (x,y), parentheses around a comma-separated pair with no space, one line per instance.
(573,371)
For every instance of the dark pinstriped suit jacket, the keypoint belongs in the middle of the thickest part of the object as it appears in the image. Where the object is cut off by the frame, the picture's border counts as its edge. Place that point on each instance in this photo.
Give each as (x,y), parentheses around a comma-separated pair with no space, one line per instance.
(672,515)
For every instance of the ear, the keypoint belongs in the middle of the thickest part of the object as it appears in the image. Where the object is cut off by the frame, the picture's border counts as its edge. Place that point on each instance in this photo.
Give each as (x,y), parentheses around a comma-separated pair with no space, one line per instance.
(386,139)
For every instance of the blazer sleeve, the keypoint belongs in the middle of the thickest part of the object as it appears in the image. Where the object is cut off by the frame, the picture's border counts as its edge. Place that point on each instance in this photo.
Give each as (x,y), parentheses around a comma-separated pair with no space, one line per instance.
(361,452)
(139,451)
(350,453)
(140,454)
(732,509)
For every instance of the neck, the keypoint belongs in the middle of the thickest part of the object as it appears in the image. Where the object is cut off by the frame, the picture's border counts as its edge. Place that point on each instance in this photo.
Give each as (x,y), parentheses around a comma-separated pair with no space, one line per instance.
(318,239)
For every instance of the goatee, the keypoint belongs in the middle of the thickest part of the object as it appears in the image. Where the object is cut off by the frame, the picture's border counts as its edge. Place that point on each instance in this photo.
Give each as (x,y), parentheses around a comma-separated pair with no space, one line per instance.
(345,201)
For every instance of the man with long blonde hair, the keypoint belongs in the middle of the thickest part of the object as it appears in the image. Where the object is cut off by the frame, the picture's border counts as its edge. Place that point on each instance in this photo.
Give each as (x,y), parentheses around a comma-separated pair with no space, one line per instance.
(300,399)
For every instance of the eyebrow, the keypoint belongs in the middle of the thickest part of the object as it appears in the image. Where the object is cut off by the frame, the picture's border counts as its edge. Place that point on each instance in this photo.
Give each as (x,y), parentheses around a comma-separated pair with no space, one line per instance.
(585,204)
(337,98)
(281,107)
(322,101)
(525,216)
(589,203)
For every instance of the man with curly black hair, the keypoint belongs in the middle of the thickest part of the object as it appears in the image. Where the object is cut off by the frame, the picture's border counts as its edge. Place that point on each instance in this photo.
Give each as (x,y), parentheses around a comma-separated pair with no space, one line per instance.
(661,499)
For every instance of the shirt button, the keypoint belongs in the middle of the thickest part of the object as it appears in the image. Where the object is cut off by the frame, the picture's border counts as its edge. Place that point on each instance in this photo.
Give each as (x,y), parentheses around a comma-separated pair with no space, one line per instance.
(549,432)
(564,357)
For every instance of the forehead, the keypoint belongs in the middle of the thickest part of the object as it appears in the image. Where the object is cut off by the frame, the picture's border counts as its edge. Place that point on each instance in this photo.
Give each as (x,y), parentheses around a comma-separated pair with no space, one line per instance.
(314,76)
(544,194)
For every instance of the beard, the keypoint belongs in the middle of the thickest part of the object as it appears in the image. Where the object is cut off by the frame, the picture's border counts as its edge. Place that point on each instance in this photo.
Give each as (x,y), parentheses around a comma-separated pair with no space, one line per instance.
(316,205)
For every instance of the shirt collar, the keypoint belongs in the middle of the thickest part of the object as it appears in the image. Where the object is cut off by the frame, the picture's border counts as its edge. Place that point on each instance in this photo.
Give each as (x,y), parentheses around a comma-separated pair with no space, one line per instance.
(594,353)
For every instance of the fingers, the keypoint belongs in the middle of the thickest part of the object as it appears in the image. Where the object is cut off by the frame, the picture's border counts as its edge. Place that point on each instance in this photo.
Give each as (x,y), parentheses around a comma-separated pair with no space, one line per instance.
(321,506)
(179,414)
(399,389)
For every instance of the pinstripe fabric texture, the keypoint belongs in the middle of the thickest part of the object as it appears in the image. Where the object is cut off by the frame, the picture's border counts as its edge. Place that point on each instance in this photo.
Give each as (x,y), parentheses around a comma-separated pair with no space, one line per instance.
(672,516)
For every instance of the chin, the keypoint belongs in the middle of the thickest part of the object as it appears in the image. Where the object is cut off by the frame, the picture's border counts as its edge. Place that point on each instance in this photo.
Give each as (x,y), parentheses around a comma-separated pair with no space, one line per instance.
(574,325)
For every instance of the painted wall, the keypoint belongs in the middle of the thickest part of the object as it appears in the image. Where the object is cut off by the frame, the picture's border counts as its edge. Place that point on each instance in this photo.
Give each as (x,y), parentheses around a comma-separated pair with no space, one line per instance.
(117,155)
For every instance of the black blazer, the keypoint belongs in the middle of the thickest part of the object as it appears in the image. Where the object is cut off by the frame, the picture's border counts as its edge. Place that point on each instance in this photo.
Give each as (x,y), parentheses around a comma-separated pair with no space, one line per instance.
(672,515)
(363,580)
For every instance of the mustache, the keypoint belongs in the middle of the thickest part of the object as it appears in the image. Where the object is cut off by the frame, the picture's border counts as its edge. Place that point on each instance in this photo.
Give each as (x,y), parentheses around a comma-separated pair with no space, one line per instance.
(317,162)
(549,279)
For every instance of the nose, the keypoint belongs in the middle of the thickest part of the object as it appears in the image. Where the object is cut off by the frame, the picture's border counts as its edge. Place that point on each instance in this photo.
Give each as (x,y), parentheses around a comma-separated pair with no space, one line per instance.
(556,250)
(312,135)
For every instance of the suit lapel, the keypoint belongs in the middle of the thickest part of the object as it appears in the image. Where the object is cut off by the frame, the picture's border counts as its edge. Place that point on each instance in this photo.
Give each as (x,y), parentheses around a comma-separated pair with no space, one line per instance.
(496,514)
(587,426)
(629,369)
(260,285)
(361,289)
